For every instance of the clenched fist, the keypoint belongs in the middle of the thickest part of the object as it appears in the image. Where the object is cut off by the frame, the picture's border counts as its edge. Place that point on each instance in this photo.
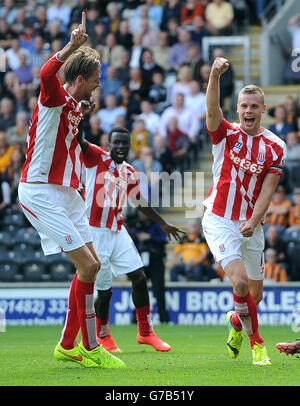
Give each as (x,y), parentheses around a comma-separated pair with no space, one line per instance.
(220,66)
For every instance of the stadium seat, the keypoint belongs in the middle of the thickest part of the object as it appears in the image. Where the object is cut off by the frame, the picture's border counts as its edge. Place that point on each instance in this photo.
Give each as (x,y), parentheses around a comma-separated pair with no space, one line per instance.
(32,238)
(16,219)
(60,267)
(8,271)
(6,238)
(33,271)
(291,235)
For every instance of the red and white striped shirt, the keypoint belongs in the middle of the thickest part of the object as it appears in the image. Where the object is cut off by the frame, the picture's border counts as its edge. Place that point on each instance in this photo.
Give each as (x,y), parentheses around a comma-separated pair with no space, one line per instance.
(241,162)
(53,154)
(107,188)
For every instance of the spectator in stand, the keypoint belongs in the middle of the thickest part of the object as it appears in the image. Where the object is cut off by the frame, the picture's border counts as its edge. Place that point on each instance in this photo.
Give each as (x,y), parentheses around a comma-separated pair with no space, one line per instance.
(190,10)
(150,241)
(190,256)
(148,169)
(161,51)
(292,150)
(141,137)
(5,153)
(9,11)
(195,60)
(98,34)
(9,85)
(179,51)
(182,85)
(40,14)
(7,114)
(154,11)
(61,13)
(104,142)
(92,18)
(150,118)
(173,31)
(136,84)
(111,84)
(24,72)
(196,101)
(6,34)
(150,37)
(292,110)
(187,120)
(108,115)
(178,143)
(291,76)
(131,105)
(158,93)
(13,53)
(149,66)
(136,51)
(93,131)
(171,10)
(220,16)
(37,55)
(273,240)
(5,197)
(112,51)
(273,270)
(226,80)
(124,36)
(17,135)
(28,35)
(141,13)
(163,154)
(12,176)
(278,211)
(204,76)
(113,19)
(123,70)
(76,11)
(294,215)
(199,31)
(281,127)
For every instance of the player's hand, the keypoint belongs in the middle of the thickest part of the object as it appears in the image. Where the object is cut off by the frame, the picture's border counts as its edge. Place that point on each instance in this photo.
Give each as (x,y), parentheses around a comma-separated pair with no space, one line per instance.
(169,229)
(79,35)
(87,107)
(247,228)
(220,66)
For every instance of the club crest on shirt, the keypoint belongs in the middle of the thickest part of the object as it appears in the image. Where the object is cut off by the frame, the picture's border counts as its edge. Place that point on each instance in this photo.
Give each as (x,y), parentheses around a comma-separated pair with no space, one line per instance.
(261,157)
(68,239)
(221,248)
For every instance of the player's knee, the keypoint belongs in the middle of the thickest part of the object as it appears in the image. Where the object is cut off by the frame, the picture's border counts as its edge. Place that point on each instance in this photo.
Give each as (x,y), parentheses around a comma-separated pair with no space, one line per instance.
(138,277)
(241,286)
(89,272)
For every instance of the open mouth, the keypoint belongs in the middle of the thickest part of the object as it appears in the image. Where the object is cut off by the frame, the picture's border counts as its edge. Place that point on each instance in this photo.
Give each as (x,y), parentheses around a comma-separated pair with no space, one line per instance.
(249,120)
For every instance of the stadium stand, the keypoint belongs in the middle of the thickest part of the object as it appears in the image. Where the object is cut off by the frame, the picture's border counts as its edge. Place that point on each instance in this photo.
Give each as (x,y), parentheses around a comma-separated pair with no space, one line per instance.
(145,48)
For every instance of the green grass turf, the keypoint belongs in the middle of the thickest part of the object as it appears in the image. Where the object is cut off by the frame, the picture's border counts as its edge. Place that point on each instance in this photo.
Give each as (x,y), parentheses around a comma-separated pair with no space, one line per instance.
(198,358)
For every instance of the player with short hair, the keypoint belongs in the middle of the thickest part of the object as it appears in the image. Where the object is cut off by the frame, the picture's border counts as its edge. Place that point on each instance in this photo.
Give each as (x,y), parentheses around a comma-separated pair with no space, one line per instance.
(48,190)
(248,162)
(110,180)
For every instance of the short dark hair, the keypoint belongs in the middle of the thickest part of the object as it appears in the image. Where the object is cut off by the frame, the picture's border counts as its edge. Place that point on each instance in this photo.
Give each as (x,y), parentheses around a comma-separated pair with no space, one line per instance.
(118,129)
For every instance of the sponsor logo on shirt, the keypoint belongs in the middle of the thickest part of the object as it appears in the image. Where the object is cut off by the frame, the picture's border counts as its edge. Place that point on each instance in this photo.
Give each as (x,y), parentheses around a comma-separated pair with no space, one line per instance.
(246,164)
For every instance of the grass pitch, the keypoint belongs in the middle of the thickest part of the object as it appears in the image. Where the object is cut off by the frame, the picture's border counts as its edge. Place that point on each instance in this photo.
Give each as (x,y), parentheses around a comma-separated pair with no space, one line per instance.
(198,358)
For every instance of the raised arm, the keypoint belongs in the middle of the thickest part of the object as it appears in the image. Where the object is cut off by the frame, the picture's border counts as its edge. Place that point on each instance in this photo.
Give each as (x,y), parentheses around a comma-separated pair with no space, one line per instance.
(78,38)
(214,114)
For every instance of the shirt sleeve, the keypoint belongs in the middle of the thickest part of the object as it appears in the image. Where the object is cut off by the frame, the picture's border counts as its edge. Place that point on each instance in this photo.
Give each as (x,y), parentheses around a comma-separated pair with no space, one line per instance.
(278,165)
(220,133)
(92,156)
(133,186)
(52,93)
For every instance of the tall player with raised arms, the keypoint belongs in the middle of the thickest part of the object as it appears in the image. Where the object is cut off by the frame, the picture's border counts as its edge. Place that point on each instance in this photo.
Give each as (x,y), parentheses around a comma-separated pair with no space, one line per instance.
(48,190)
(248,162)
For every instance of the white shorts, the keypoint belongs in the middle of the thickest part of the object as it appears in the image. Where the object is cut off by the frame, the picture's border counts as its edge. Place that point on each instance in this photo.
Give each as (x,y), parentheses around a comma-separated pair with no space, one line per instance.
(225,240)
(58,213)
(117,253)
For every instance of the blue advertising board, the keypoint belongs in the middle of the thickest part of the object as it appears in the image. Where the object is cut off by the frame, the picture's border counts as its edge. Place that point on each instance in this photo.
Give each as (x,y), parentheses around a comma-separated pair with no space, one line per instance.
(186,306)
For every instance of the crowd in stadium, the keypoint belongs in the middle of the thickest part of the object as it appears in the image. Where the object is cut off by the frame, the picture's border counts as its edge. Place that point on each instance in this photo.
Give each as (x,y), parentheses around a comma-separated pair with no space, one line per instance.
(153,81)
